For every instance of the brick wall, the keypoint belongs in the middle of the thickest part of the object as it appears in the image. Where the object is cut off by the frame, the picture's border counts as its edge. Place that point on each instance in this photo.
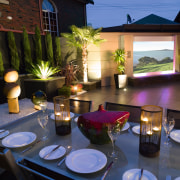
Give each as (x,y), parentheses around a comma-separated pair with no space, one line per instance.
(23,13)
(27,13)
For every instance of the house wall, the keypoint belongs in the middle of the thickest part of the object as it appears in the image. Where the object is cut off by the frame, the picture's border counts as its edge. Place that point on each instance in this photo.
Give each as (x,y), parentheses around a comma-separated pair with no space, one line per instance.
(115,40)
(28,13)
(23,13)
(104,56)
(177,62)
(70,12)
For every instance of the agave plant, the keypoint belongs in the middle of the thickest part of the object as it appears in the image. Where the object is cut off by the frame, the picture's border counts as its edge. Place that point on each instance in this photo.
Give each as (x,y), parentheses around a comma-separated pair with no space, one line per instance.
(43,70)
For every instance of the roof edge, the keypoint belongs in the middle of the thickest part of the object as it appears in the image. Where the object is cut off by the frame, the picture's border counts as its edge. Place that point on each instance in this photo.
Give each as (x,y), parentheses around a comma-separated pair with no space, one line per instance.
(86,1)
(143,28)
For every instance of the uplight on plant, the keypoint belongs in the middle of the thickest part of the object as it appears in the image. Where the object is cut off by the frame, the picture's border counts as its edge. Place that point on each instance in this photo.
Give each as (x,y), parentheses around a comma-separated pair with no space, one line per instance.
(43,70)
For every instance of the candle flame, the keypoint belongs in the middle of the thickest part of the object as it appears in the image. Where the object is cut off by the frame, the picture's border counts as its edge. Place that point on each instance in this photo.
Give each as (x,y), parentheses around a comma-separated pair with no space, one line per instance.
(149,132)
(156,129)
(145,119)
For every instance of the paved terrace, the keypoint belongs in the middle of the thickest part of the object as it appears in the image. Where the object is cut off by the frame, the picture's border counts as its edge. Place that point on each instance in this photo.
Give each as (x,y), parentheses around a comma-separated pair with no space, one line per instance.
(164,95)
(167,95)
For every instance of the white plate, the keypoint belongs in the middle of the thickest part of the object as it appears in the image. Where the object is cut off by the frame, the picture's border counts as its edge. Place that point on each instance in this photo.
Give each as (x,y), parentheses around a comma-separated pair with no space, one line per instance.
(53,117)
(19,139)
(175,135)
(54,155)
(136,129)
(178,178)
(126,126)
(3,134)
(133,174)
(86,161)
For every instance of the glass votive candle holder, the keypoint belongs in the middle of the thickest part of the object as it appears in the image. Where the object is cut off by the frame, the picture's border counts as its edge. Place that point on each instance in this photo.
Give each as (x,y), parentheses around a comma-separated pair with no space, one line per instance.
(150,130)
(62,115)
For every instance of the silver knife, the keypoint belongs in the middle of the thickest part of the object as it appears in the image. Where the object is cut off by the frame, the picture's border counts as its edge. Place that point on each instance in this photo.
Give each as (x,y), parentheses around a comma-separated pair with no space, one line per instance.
(49,153)
(107,170)
(140,177)
(30,147)
(2,131)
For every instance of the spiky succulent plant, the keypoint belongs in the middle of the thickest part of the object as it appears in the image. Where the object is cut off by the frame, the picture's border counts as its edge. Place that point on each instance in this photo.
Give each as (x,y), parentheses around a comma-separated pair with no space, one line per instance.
(43,70)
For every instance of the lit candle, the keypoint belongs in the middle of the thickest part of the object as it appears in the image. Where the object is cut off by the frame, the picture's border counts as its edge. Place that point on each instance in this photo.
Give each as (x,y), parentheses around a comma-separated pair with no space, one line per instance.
(75,88)
(145,119)
(58,114)
(156,129)
(67,119)
(149,133)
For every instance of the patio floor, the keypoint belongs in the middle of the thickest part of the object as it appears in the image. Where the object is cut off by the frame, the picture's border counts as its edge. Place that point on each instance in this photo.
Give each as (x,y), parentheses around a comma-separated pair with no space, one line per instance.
(164,95)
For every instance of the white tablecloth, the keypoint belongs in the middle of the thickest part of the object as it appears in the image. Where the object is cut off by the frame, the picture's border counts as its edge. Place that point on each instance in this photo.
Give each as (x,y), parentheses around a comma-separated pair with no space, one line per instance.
(26,108)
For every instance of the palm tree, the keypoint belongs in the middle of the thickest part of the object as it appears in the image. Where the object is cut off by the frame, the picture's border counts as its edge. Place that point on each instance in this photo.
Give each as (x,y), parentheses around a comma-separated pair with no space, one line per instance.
(82,38)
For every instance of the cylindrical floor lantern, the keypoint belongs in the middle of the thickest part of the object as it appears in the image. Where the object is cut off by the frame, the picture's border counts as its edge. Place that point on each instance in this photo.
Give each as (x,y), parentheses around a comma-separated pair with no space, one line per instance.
(150,130)
(12,90)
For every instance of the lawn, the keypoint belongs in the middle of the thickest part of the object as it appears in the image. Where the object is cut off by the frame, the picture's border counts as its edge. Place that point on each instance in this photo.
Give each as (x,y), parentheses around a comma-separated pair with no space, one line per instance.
(154,68)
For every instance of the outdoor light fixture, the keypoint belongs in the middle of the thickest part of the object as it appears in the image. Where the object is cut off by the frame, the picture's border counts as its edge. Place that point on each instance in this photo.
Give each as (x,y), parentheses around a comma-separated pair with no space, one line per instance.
(9,17)
(12,90)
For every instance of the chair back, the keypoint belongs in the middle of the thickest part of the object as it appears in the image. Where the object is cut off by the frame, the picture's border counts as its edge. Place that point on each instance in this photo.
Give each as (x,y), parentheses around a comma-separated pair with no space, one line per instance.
(38,172)
(80,106)
(135,111)
(8,162)
(176,115)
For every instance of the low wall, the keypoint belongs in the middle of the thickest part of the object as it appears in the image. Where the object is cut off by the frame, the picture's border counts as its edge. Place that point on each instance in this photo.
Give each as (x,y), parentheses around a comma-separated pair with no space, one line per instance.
(153,80)
(22,80)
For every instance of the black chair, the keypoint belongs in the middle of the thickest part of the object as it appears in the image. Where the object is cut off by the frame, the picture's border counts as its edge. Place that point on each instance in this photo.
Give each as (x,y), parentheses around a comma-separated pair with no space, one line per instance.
(8,162)
(135,111)
(38,172)
(80,106)
(176,115)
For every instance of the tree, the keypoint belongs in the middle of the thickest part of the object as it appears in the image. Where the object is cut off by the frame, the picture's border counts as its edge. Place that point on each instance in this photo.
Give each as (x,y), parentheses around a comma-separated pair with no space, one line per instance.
(27,49)
(49,48)
(58,51)
(15,61)
(82,38)
(1,65)
(38,45)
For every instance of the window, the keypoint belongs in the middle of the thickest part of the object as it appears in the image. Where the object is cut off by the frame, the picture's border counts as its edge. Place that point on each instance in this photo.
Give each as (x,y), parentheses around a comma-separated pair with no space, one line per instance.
(153,55)
(50,22)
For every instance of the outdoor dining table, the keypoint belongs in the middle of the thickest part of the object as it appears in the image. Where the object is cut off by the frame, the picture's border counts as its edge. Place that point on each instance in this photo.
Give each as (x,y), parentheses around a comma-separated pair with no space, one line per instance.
(167,163)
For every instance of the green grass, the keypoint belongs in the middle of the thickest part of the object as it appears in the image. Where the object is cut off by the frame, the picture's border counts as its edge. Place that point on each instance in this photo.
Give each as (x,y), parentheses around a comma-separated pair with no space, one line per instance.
(154,68)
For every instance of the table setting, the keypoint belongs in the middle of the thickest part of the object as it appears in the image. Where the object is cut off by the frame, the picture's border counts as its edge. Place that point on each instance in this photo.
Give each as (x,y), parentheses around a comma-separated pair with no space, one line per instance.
(110,152)
(3,133)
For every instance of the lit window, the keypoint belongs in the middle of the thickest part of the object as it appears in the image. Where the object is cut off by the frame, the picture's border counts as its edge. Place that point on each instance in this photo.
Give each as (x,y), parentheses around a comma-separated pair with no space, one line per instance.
(50,22)
(153,55)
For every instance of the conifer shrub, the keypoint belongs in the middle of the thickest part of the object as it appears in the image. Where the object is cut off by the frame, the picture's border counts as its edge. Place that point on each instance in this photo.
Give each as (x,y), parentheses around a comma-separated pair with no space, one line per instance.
(49,48)
(58,52)
(27,49)
(15,61)
(1,65)
(38,45)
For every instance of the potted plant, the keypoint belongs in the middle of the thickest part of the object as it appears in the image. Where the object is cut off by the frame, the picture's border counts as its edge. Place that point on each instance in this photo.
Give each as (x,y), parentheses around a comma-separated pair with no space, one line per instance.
(43,80)
(121,77)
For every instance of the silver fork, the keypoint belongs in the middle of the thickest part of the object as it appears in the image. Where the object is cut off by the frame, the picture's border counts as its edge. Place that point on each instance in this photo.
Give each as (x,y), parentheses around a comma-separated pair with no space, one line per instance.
(62,160)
